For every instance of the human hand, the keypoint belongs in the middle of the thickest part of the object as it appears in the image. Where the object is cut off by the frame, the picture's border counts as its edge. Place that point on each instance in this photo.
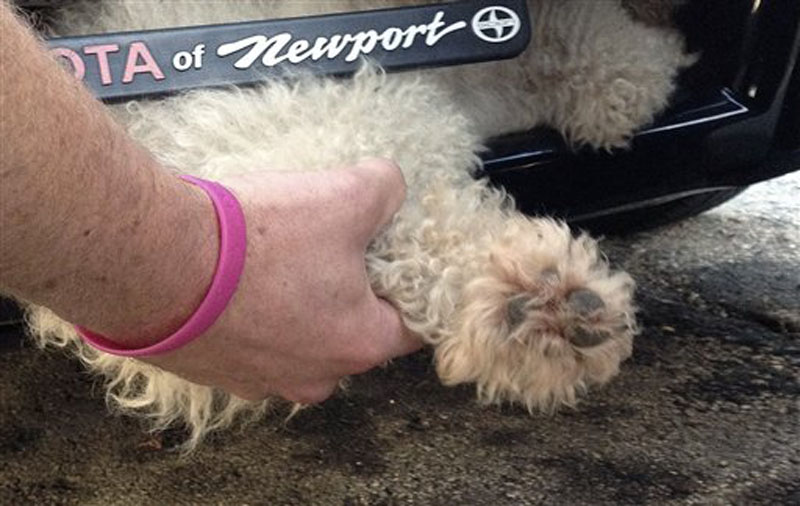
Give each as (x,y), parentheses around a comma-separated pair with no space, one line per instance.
(304,315)
(94,228)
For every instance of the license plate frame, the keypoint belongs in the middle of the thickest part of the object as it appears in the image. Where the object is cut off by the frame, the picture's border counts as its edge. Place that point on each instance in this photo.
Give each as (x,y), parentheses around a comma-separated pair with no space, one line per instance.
(127,65)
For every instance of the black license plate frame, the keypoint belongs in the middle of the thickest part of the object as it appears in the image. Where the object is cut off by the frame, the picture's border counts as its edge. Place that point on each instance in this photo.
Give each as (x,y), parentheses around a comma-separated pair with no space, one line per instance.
(127,65)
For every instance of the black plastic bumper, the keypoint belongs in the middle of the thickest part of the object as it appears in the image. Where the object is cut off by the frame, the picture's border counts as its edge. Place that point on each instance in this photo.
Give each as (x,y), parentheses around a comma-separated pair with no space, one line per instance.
(735,121)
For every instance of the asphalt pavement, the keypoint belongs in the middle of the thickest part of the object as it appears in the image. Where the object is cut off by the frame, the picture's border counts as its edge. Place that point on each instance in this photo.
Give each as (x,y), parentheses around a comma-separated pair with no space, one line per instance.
(707,411)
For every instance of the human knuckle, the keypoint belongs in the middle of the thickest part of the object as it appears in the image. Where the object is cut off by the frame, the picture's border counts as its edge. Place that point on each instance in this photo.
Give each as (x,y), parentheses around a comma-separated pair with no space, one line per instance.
(354,180)
(394,177)
(377,165)
(383,176)
(352,189)
(391,179)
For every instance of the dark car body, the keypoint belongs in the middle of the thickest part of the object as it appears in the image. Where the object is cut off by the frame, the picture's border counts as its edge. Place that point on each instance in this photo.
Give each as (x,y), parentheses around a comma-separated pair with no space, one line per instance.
(734,121)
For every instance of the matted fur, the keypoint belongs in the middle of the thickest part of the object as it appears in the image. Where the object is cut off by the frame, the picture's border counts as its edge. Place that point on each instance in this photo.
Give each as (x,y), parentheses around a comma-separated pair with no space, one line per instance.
(491,290)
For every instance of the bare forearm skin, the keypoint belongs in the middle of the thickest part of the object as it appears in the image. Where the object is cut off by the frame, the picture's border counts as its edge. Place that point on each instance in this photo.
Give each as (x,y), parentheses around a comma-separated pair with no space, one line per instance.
(91,225)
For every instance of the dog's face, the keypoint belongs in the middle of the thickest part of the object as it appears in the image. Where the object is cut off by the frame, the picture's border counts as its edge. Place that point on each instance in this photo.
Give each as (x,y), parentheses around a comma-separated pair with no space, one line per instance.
(543,321)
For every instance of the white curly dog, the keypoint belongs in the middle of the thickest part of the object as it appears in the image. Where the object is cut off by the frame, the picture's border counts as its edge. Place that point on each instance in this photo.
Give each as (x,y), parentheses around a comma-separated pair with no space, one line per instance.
(516,305)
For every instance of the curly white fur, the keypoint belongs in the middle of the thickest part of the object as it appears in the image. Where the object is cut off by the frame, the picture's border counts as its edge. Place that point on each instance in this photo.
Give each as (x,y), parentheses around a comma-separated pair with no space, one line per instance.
(501,297)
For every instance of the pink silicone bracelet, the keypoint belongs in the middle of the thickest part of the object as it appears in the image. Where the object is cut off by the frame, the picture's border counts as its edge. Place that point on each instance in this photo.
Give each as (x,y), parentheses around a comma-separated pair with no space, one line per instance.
(232,251)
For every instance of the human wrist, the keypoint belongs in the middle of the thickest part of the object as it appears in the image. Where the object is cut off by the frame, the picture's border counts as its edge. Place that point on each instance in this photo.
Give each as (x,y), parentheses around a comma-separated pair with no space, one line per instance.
(169,283)
(145,271)
(232,230)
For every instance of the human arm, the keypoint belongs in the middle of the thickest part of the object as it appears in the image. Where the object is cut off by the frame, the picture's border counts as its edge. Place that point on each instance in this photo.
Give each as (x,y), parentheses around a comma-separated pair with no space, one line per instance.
(94,228)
